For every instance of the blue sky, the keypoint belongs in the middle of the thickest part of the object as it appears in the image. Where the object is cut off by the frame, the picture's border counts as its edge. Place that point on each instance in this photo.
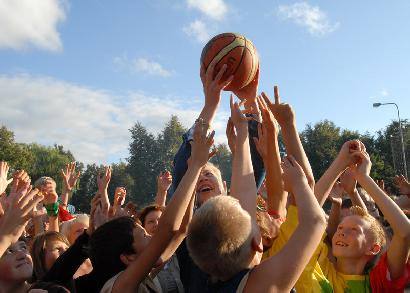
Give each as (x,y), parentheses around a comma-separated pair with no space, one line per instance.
(81,73)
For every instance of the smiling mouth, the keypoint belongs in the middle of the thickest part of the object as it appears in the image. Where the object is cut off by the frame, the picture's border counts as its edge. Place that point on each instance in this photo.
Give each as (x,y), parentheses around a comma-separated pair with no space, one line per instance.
(22,264)
(204,189)
(342,244)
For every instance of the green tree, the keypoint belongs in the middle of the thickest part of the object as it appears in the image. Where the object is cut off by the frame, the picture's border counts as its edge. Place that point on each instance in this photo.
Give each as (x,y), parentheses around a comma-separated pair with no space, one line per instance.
(17,155)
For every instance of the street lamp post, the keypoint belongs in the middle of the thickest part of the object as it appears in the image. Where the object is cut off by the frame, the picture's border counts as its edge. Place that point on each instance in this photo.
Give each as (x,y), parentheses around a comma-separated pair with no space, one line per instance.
(375,105)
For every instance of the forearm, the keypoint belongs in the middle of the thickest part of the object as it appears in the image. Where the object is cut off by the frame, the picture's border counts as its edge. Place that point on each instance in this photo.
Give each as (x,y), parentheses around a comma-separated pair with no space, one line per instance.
(357,200)
(5,242)
(161,197)
(181,198)
(309,211)
(65,196)
(53,224)
(243,185)
(38,225)
(294,147)
(325,183)
(392,212)
(277,197)
(208,113)
(169,223)
(334,219)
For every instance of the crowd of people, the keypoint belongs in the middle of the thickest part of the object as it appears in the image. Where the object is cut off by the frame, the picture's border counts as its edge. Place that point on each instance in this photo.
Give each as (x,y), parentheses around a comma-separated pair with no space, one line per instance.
(266,232)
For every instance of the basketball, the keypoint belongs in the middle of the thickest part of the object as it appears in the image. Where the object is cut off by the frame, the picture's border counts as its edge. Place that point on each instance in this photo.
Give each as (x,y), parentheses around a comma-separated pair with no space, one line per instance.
(238,53)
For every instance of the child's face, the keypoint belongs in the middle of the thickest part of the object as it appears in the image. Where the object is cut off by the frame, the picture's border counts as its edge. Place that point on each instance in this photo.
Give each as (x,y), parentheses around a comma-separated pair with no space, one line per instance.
(16,264)
(151,221)
(208,185)
(352,238)
(52,251)
(76,230)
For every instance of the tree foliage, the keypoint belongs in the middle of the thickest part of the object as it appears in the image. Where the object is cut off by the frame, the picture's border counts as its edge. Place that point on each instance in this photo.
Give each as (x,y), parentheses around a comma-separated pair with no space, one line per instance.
(150,154)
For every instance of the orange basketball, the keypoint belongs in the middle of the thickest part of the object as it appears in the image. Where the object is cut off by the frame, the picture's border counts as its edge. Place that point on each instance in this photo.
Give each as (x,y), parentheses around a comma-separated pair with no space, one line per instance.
(238,53)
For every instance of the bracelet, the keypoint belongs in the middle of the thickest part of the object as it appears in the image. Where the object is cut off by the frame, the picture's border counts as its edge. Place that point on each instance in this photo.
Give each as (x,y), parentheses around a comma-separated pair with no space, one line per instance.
(276,215)
(52,209)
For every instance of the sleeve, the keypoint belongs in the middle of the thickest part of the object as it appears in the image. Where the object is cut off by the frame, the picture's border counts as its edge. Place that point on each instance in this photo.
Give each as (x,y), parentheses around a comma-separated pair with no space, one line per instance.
(184,152)
(380,280)
(184,261)
(257,162)
(67,264)
(181,159)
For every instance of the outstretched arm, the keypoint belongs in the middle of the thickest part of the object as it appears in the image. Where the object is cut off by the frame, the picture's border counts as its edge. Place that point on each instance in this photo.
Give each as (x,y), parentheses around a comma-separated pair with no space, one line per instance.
(164,181)
(172,217)
(285,115)
(243,186)
(212,85)
(268,147)
(345,158)
(398,250)
(279,273)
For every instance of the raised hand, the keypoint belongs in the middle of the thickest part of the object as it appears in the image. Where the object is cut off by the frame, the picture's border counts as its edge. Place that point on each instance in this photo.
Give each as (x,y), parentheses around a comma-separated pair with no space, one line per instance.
(50,193)
(164,181)
(249,92)
(119,196)
(213,84)
(239,120)
(402,184)
(20,186)
(4,182)
(283,112)
(70,176)
(103,179)
(231,135)
(98,215)
(363,166)
(347,181)
(201,144)
(336,193)
(18,211)
(348,154)
(293,175)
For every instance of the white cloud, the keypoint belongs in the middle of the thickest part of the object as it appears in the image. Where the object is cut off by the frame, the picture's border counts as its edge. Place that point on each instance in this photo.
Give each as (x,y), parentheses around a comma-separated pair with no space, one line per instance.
(384,93)
(25,23)
(198,30)
(311,17)
(91,123)
(141,65)
(215,9)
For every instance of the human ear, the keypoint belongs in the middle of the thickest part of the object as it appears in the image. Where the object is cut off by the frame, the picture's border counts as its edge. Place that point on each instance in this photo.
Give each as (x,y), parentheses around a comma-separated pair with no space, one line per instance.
(374,250)
(127,258)
(257,243)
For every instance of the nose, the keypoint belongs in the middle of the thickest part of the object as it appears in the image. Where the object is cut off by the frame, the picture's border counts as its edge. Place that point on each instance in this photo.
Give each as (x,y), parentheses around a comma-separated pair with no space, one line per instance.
(21,255)
(202,178)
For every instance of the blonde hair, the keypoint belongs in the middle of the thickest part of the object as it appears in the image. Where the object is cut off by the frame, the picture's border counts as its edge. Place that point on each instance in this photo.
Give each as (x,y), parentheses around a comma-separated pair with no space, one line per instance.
(219,237)
(65,227)
(38,251)
(376,229)
(215,170)
(43,180)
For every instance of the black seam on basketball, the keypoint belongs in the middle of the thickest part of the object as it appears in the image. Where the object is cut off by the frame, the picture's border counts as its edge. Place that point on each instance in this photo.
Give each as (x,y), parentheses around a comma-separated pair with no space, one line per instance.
(221,36)
(240,61)
(250,71)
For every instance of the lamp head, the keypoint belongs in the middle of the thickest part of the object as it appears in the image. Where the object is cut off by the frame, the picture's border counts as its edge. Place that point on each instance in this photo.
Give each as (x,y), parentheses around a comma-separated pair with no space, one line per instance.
(375,105)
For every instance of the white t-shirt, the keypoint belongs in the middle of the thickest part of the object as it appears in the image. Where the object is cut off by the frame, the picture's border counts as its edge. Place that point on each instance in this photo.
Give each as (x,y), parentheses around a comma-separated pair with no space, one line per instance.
(146,286)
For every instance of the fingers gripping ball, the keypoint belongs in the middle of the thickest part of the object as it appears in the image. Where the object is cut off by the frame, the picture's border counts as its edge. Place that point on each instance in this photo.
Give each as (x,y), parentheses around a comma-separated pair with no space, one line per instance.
(238,53)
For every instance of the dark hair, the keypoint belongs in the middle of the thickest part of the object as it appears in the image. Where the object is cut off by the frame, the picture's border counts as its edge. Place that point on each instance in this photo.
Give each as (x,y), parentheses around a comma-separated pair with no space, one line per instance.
(50,287)
(38,248)
(347,203)
(147,210)
(108,242)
